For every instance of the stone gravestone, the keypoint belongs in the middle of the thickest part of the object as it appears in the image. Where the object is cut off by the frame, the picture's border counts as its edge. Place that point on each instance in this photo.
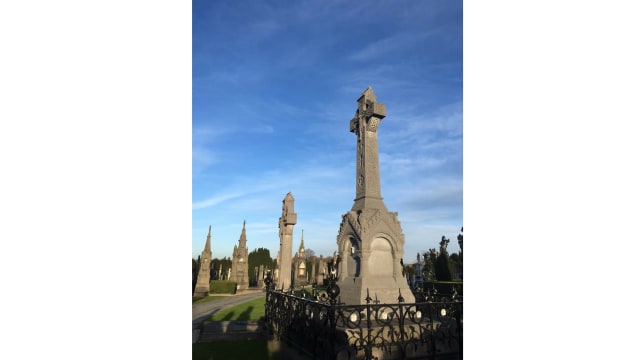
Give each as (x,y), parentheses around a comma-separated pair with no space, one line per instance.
(300,278)
(312,277)
(260,277)
(202,284)
(370,239)
(276,271)
(321,271)
(240,261)
(418,276)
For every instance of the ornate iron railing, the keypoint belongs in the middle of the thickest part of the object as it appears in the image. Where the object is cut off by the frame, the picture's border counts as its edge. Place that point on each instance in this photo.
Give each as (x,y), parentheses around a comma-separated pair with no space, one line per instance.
(428,329)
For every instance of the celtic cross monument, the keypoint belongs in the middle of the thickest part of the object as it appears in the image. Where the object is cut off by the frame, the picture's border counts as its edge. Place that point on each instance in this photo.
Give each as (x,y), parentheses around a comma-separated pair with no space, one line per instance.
(370,239)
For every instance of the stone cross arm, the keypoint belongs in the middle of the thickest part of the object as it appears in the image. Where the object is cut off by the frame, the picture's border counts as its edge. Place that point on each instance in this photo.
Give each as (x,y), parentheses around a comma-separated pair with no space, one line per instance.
(368,107)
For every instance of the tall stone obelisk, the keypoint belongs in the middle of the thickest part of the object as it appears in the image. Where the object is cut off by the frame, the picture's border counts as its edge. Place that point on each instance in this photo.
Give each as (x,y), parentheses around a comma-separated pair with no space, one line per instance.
(286,223)
(370,239)
(202,284)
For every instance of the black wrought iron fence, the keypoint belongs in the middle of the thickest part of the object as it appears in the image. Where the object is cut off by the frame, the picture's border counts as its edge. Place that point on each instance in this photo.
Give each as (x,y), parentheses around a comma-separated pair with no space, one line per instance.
(428,329)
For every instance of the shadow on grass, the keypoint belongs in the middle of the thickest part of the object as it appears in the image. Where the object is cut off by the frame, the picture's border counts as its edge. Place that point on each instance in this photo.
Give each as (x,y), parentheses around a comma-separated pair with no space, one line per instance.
(229,316)
(245,315)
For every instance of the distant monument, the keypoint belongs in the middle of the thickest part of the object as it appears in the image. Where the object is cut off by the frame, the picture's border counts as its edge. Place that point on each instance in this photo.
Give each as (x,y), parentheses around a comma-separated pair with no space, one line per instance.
(204,274)
(260,274)
(300,266)
(322,271)
(286,223)
(240,261)
(276,271)
(312,276)
(418,280)
(370,239)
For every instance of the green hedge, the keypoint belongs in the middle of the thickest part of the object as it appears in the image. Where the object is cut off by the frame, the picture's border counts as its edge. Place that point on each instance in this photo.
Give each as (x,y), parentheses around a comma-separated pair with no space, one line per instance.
(222,287)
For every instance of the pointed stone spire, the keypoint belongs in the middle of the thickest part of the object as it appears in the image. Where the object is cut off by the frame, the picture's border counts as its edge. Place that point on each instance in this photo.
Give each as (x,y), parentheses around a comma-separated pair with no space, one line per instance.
(243,235)
(301,249)
(207,245)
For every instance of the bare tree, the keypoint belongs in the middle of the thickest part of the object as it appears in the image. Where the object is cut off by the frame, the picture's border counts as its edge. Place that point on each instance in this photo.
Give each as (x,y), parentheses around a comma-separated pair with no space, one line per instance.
(309,253)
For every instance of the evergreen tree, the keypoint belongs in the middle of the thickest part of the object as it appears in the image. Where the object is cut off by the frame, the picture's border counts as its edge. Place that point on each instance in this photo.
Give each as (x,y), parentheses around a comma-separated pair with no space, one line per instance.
(257,257)
(443,273)
(215,268)
(455,264)
(429,271)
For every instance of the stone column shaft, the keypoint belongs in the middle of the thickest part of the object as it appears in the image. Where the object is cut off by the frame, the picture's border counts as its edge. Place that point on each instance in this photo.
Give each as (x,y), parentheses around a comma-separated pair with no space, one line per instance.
(286,223)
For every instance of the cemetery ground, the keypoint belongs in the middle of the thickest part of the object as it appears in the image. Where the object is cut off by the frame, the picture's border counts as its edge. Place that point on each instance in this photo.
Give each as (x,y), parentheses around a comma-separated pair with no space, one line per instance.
(200,300)
(250,346)
(224,314)
(233,349)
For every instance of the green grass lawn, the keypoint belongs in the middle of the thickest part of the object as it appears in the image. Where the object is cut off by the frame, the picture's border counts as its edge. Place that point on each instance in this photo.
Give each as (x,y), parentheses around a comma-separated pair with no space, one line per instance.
(236,349)
(250,310)
(198,300)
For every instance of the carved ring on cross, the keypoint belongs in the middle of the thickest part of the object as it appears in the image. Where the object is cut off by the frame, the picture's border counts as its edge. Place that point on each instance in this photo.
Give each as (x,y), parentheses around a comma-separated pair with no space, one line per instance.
(373,124)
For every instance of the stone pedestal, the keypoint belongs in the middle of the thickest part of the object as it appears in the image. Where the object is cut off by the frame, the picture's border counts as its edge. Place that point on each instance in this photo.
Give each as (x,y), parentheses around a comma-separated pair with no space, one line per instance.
(371,244)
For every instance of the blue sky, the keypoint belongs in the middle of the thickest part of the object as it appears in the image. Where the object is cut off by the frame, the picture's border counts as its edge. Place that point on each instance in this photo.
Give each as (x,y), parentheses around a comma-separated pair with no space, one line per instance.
(275,85)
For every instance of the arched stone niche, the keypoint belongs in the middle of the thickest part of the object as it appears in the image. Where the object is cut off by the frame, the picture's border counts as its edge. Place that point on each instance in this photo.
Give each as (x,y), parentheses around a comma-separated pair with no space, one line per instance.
(381,257)
(302,270)
(353,257)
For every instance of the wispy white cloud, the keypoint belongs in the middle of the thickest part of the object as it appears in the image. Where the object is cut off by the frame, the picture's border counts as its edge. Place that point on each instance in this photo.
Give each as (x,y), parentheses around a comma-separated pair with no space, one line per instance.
(203,157)
(205,153)
(213,201)
(405,165)
(265,28)
(386,46)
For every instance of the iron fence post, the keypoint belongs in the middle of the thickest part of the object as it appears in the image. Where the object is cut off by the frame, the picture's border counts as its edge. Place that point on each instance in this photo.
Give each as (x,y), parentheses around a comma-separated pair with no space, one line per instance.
(368,348)
(333,290)
(432,336)
(267,304)
(401,325)
(459,326)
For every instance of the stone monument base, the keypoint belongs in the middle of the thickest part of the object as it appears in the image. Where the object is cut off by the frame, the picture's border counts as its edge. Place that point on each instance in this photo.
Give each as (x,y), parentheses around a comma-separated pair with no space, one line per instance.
(201,291)
(384,289)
